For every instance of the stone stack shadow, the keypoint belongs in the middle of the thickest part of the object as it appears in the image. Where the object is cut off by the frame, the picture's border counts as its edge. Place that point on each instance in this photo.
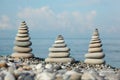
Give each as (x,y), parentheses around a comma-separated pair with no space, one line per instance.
(59,52)
(22,43)
(95,53)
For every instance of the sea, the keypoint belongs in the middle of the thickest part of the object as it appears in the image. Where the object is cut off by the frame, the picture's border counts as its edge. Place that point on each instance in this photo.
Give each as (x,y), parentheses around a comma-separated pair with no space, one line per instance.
(78,47)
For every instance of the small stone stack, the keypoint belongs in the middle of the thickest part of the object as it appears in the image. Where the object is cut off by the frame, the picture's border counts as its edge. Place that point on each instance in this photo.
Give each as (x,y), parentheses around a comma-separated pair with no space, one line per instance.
(95,53)
(22,43)
(59,52)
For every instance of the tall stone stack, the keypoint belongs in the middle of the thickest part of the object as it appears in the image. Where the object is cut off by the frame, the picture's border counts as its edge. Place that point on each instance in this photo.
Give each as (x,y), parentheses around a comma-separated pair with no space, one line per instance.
(59,52)
(22,43)
(95,53)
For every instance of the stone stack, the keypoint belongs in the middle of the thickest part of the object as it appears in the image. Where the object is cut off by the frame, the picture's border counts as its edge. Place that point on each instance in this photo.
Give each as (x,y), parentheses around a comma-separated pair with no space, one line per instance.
(22,43)
(95,53)
(59,52)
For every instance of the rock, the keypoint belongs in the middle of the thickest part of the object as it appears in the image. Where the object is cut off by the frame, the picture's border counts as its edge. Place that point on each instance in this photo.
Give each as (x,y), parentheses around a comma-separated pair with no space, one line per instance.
(9,76)
(26,76)
(3,64)
(22,49)
(23,44)
(72,75)
(48,66)
(39,66)
(45,76)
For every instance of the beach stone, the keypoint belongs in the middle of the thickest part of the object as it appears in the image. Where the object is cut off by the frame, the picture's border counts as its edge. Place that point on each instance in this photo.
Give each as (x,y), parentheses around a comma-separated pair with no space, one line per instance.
(59,52)
(3,64)
(22,31)
(25,76)
(39,66)
(59,55)
(92,50)
(9,76)
(73,75)
(59,45)
(66,49)
(88,76)
(23,55)
(45,76)
(95,53)
(22,35)
(60,60)
(48,66)
(23,44)
(22,39)
(22,49)
(95,45)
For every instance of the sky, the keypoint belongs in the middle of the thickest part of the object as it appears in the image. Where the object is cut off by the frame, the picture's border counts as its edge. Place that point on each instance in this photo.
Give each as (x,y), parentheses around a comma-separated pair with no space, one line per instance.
(68,17)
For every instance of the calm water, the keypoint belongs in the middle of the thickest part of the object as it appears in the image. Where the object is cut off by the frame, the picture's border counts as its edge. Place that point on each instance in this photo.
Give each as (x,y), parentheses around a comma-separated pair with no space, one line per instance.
(78,46)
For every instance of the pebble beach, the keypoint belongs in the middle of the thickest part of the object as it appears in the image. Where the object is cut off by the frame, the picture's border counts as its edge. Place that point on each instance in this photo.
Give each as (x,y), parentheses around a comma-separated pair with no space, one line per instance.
(59,65)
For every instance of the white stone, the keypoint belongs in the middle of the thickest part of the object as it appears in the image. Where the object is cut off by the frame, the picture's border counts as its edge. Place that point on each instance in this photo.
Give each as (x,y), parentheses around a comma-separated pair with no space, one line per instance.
(64,49)
(59,45)
(22,31)
(24,55)
(9,76)
(22,38)
(95,45)
(94,61)
(61,60)
(97,49)
(95,55)
(59,41)
(59,55)
(22,49)
(48,66)
(22,35)
(23,44)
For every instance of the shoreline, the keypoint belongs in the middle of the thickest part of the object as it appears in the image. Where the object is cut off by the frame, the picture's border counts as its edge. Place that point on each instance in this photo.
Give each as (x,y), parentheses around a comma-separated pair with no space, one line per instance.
(37,69)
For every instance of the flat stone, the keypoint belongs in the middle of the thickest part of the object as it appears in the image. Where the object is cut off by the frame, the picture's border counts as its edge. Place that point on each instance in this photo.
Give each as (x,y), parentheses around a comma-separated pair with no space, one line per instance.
(23,44)
(73,75)
(95,37)
(92,50)
(22,31)
(3,64)
(95,45)
(23,28)
(9,76)
(59,41)
(87,76)
(59,55)
(97,41)
(60,60)
(94,61)
(59,45)
(65,49)
(22,49)
(95,55)
(22,38)
(23,55)
(22,35)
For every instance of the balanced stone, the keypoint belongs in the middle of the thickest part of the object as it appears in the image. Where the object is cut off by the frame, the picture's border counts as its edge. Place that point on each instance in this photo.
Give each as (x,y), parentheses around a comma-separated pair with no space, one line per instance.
(22,43)
(59,52)
(95,54)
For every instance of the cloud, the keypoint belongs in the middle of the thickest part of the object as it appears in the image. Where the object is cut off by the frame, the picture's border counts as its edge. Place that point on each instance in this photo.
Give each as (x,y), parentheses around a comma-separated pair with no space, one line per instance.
(4,22)
(45,18)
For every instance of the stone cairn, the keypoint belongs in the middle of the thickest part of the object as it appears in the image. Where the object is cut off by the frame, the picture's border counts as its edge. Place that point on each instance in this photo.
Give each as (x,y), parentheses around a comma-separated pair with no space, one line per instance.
(59,52)
(22,43)
(95,53)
